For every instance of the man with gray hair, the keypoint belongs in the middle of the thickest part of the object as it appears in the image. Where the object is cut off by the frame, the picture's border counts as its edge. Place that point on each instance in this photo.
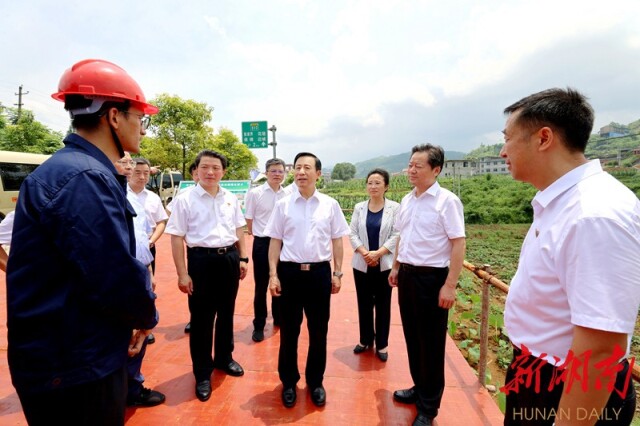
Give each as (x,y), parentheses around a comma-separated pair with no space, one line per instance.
(428,262)
(259,204)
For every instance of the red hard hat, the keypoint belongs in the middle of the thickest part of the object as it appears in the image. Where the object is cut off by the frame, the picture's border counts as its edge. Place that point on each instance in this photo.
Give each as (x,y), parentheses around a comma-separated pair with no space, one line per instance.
(99,79)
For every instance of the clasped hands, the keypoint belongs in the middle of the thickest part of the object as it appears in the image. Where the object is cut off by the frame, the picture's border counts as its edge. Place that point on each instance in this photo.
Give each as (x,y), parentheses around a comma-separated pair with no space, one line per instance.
(372,258)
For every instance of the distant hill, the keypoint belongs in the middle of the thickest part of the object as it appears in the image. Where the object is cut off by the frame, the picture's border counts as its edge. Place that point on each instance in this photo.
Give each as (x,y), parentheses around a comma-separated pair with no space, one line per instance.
(598,146)
(485,151)
(395,163)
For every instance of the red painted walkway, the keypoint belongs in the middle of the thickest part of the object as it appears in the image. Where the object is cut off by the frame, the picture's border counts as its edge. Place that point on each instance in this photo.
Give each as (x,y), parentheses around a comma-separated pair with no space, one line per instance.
(359,387)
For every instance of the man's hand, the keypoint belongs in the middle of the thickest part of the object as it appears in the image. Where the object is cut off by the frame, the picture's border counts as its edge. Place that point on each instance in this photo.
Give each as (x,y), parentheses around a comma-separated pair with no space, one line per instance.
(136,341)
(185,284)
(336,283)
(243,269)
(274,286)
(393,278)
(447,297)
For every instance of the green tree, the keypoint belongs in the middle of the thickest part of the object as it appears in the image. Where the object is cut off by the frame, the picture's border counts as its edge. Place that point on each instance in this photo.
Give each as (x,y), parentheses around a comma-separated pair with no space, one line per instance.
(25,134)
(343,171)
(241,159)
(179,131)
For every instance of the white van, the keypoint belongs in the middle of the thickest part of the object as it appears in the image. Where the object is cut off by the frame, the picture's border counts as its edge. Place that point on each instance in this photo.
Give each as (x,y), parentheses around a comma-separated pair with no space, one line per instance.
(14,168)
(165,184)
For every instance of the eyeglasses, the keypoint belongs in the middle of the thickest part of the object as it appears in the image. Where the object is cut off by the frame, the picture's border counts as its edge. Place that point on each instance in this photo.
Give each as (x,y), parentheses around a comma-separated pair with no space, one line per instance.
(145,120)
(276,172)
(127,163)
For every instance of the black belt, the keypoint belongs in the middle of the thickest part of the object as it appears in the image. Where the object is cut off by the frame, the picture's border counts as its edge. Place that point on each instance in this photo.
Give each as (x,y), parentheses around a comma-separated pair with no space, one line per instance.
(255,237)
(412,268)
(212,250)
(305,266)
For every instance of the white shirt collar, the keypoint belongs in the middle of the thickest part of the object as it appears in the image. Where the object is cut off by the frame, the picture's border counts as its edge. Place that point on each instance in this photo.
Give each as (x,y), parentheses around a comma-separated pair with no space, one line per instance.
(566,181)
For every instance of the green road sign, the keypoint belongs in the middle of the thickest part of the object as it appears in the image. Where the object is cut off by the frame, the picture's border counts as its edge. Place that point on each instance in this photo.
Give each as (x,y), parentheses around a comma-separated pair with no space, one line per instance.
(254,134)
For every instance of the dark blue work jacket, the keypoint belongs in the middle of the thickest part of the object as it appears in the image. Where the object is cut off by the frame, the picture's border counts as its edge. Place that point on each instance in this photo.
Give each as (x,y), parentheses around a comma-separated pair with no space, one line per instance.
(75,290)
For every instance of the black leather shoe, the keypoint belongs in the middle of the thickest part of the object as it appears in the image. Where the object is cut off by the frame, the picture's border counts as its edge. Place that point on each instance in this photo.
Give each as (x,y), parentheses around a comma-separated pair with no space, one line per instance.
(422,420)
(289,397)
(384,356)
(406,396)
(359,348)
(151,339)
(257,336)
(203,390)
(187,328)
(319,396)
(232,369)
(146,398)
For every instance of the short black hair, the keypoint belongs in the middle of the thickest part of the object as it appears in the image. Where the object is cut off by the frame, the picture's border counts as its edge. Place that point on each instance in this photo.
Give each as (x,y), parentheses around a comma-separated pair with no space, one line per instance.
(308,154)
(214,154)
(435,154)
(192,168)
(90,121)
(565,111)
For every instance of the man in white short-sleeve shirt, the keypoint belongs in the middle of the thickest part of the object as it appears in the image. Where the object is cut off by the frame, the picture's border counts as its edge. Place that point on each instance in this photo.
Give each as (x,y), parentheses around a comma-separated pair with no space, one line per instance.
(574,299)
(209,221)
(428,262)
(306,230)
(259,205)
(150,201)
(137,394)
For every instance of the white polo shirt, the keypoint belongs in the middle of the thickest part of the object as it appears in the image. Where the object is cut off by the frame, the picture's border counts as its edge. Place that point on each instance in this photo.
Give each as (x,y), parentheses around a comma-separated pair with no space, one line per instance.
(427,224)
(152,206)
(259,205)
(204,220)
(306,227)
(578,265)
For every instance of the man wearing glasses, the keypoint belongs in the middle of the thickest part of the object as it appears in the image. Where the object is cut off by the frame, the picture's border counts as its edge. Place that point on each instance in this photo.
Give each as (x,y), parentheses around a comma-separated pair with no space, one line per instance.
(75,290)
(155,213)
(258,207)
(137,394)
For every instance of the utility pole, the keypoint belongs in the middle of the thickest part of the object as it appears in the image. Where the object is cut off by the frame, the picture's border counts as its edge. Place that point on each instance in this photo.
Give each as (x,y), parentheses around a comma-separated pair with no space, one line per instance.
(19,104)
(273,143)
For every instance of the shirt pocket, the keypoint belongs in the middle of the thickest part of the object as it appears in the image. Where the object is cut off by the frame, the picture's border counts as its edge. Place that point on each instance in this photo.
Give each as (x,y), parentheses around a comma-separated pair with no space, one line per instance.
(227,214)
(427,223)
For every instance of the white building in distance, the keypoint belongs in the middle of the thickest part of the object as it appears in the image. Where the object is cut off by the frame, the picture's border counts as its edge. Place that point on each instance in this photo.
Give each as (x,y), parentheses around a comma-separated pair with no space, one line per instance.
(473,167)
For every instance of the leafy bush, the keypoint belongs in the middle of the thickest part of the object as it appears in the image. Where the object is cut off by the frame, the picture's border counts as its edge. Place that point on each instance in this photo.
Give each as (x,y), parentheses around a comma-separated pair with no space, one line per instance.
(487,199)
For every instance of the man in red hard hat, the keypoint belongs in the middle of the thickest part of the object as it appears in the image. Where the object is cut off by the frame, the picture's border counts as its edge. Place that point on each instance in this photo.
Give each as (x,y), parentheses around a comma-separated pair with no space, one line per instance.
(75,290)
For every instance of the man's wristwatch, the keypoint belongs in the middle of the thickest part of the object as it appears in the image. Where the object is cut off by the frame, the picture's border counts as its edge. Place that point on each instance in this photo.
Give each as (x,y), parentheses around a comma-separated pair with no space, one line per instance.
(338,274)
(244,259)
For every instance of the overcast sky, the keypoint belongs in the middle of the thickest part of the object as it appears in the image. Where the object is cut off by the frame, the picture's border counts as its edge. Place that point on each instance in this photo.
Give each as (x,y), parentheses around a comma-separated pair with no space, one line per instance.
(347,80)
